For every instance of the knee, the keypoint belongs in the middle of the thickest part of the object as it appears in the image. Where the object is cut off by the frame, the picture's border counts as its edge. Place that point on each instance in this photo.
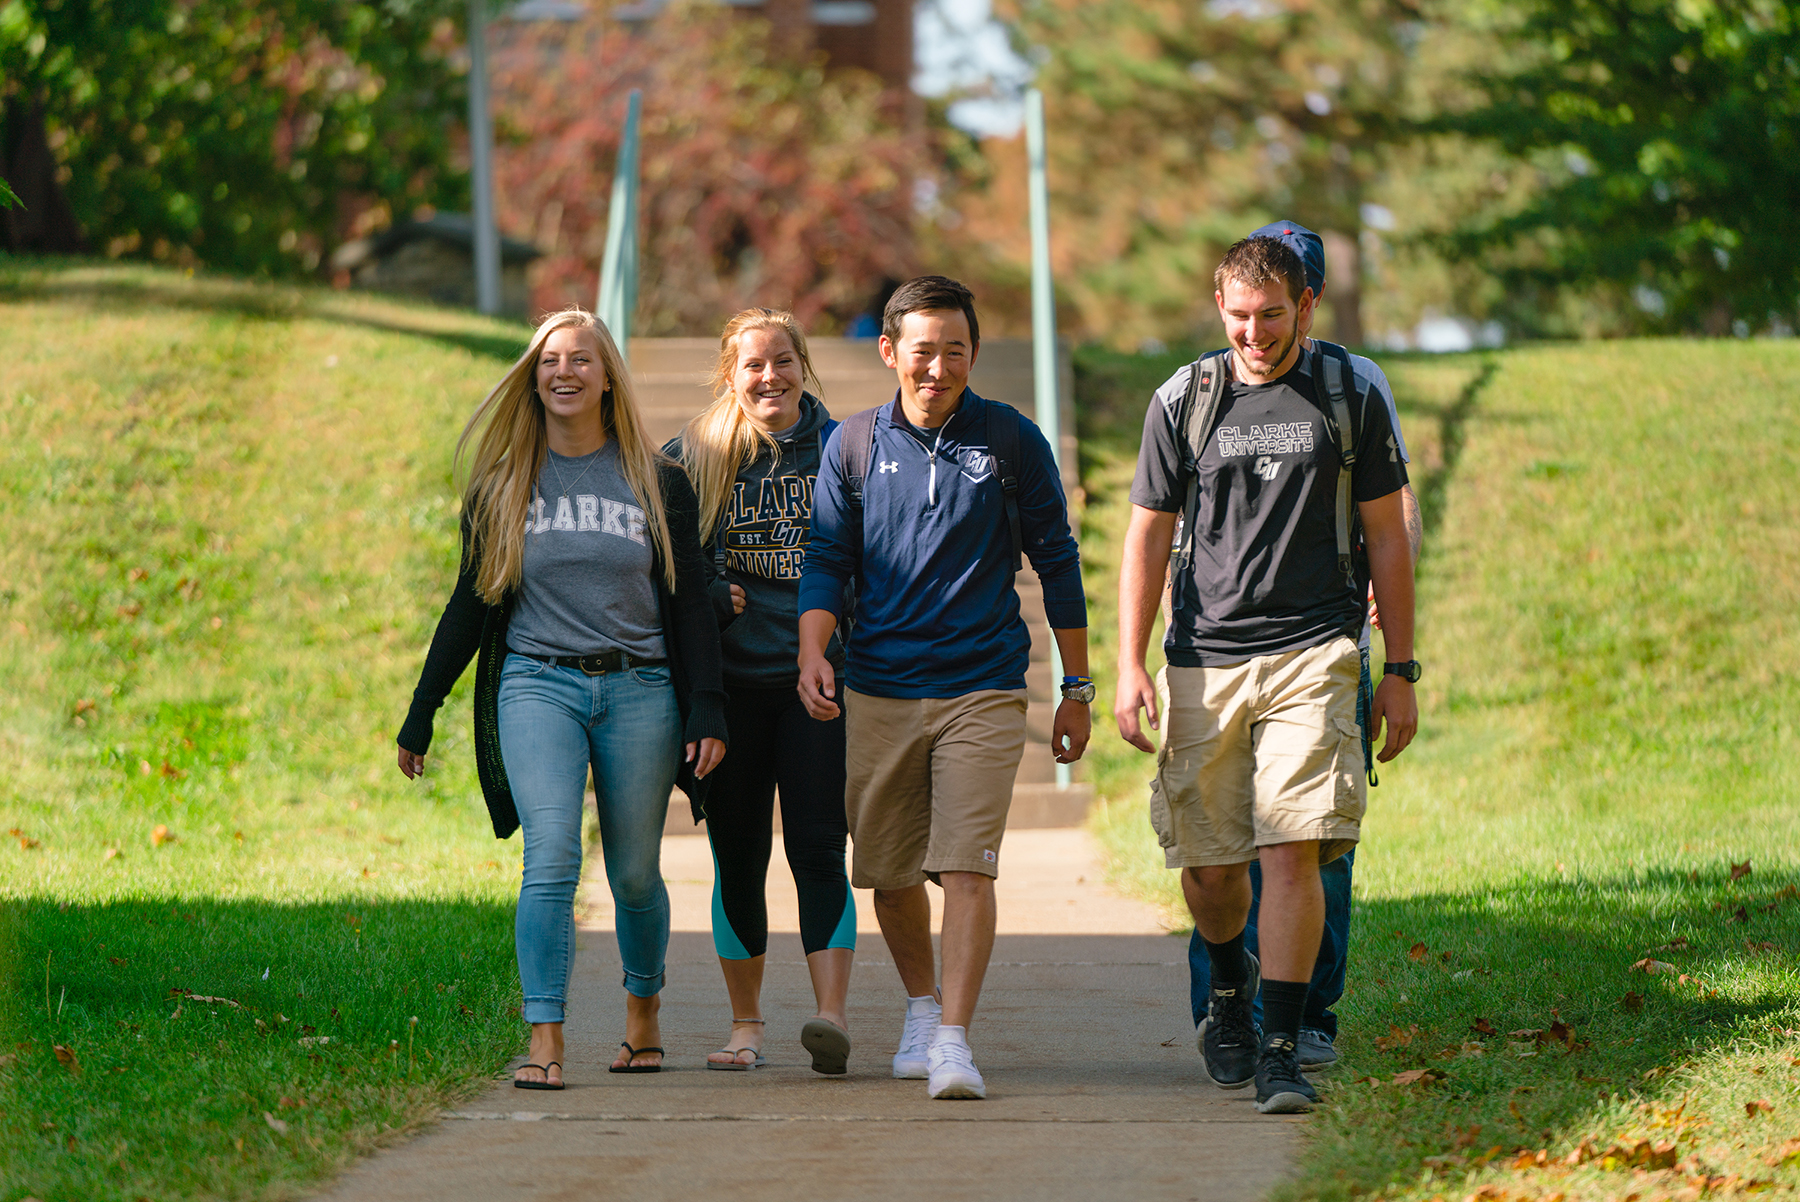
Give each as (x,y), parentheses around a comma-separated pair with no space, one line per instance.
(1290,865)
(966,886)
(1219,879)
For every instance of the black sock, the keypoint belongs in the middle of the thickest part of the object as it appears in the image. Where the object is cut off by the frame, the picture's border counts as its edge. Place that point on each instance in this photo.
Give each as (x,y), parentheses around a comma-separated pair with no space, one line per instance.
(1230,970)
(1283,1004)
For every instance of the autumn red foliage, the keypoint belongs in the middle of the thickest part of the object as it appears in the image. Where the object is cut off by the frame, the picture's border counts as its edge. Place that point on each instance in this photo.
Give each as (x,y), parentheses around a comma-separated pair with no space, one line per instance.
(765,180)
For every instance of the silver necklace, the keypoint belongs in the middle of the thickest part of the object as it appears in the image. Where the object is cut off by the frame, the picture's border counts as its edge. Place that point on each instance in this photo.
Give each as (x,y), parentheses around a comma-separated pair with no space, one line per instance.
(550,458)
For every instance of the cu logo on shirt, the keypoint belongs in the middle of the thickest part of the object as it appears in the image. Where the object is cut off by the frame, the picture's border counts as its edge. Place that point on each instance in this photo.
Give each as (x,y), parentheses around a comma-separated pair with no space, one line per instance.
(1266,467)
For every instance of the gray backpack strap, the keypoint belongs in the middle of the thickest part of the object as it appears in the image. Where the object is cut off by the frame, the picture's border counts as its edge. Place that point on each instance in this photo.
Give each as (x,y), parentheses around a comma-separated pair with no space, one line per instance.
(1003,444)
(1334,374)
(856,447)
(1199,407)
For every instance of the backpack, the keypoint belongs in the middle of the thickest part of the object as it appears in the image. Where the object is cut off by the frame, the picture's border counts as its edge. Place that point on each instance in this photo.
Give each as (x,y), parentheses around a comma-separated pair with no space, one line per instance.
(856,447)
(1200,407)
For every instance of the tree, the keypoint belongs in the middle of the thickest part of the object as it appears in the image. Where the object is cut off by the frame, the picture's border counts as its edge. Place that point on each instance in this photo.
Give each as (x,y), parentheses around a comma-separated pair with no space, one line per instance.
(242,134)
(766,181)
(1666,142)
(1177,127)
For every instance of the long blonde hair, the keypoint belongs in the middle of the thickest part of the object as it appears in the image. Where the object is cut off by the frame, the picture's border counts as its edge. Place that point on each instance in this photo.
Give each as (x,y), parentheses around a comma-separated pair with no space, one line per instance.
(509,444)
(721,439)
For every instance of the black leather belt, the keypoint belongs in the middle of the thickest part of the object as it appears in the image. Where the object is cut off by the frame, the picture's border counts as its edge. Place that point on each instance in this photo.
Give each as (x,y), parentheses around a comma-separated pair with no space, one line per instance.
(597,664)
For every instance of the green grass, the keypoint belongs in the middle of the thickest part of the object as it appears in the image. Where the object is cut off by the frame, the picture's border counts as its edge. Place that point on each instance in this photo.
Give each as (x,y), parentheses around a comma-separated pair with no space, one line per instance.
(1608,618)
(229,529)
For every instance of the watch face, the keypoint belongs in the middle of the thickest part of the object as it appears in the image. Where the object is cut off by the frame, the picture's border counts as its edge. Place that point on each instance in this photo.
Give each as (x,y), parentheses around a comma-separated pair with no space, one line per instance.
(1083,693)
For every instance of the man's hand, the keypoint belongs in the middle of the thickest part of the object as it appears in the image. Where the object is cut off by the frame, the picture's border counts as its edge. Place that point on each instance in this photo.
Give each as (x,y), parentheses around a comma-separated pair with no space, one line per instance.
(738,600)
(711,751)
(1136,691)
(1374,611)
(818,685)
(1397,706)
(412,765)
(1073,726)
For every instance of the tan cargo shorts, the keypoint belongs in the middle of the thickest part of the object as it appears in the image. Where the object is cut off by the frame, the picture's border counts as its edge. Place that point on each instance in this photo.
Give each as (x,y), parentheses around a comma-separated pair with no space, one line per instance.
(928,783)
(1262,752)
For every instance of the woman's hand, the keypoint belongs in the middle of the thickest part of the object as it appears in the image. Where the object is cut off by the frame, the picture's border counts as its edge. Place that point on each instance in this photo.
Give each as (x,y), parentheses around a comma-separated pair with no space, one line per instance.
(738,600)
(711,751)
(411,764)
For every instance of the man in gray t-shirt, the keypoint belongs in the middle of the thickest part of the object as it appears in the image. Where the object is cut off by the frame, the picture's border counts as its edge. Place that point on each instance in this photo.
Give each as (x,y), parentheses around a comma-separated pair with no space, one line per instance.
(587,583)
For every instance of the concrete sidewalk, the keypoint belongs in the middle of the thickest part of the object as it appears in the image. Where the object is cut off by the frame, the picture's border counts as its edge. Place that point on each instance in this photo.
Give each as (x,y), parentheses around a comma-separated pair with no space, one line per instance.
(1094,1087)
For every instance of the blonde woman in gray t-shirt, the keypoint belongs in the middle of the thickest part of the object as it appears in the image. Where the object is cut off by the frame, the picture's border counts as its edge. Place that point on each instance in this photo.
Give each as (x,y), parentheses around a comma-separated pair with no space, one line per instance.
(583,588)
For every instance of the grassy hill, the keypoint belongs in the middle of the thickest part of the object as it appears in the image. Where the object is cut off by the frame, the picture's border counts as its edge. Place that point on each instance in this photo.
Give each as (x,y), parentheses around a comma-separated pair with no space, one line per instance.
(229,529)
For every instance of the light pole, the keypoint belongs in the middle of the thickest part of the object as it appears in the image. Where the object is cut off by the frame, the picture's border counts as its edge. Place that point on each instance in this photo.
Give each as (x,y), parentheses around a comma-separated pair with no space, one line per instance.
(481,165)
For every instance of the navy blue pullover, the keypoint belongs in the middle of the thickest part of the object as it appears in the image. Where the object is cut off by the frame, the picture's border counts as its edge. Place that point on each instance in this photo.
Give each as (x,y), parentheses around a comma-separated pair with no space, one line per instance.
(936,612)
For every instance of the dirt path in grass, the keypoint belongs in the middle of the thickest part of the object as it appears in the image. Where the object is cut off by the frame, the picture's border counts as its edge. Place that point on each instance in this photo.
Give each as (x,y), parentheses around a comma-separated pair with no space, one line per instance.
(1094,1087)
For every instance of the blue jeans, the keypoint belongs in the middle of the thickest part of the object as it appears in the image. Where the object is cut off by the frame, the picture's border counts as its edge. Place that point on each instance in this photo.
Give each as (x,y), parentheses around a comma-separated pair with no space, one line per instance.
(554,723)
(1328,969)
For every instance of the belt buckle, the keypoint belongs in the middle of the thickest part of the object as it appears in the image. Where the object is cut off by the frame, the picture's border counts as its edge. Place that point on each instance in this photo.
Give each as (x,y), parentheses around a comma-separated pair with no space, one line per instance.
(598,668)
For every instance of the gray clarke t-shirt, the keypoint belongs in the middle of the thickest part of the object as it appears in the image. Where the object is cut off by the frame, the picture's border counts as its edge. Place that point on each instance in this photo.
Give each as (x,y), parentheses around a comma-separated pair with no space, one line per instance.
(1264,578)
(586,584)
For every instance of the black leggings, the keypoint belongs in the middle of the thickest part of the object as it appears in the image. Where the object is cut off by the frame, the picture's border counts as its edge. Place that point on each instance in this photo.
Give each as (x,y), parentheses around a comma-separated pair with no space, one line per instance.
(774,741)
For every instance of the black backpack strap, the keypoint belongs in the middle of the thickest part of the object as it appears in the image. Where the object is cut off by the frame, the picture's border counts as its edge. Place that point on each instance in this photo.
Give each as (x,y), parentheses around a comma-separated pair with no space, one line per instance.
(1337,379)
(1003,445)
(856,447)
(1194,421)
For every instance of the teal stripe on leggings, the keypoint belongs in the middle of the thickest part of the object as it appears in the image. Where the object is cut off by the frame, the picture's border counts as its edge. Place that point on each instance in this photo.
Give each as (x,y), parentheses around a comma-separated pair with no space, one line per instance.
(725,940)
(845,934)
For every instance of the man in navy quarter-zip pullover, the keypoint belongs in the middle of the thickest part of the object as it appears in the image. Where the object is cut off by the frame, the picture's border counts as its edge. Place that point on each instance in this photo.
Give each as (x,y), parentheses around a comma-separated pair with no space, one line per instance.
(935,701)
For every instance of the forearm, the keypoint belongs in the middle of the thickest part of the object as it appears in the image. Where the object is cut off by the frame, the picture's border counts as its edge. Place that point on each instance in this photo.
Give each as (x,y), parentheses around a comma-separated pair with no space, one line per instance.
(816,627)
(1072,647)
(1390,570)
(1415,521)
(1142,570)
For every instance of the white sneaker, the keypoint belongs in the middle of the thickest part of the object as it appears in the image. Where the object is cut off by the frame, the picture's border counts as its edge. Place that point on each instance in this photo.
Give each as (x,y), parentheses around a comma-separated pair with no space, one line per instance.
(922,1017)
(953,1071)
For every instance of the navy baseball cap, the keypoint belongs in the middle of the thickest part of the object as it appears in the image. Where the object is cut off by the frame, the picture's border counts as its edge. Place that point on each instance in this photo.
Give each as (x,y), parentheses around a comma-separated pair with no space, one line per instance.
(1303,242)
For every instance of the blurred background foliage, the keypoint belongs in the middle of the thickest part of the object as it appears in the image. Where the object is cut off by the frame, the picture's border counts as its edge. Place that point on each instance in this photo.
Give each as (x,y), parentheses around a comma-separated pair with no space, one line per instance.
(1528,168)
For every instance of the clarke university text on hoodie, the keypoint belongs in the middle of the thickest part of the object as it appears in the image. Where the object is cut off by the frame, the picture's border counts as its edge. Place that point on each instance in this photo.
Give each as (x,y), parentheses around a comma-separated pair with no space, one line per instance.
(936,612)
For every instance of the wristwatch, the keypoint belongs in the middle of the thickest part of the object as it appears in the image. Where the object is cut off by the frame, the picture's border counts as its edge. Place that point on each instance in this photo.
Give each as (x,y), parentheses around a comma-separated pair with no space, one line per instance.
(1078,688)
(1408,671)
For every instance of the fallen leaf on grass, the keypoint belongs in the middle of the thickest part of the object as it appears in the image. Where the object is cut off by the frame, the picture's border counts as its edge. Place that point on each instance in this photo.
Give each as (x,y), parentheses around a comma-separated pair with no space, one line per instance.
(66,1057)
(83,706)
(1652,967)
(1417,1076)
(169,772)
(313,1041)
(130,611)
(276,1125)
(1418,951)
(1739,871)
(111,853)
(161,835)
(1759,1106)
(1678,944)
(1482,1026)
(1739,914)
(1755,948)
(1632,1002)
(1396,1038)
(1786,1152)
(201,997)
(26,844)
(8,1058)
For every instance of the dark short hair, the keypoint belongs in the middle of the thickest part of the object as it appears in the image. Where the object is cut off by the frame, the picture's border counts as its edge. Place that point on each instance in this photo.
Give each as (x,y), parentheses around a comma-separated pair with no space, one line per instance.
(1303,242)
(928,293)
(1260,260)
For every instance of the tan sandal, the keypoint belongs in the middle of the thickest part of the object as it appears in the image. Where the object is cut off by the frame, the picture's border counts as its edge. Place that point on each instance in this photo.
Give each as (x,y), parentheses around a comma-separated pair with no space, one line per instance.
(734,1065)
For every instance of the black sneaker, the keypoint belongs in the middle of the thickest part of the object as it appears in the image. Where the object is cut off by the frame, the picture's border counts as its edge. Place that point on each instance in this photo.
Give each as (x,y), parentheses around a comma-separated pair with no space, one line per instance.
(1281,1088)
(1228,1034)
(1315,1053)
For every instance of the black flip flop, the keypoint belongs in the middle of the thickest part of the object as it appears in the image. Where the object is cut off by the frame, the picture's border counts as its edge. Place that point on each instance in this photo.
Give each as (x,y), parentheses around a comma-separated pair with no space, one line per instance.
(546,1083)
(631,1054)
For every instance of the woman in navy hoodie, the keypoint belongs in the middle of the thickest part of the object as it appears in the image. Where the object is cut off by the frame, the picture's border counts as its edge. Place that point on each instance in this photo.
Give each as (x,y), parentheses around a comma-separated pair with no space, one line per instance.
(753,456)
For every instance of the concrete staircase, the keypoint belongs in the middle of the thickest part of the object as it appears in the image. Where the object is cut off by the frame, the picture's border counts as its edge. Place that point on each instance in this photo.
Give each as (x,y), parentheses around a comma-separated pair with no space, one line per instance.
(670,376)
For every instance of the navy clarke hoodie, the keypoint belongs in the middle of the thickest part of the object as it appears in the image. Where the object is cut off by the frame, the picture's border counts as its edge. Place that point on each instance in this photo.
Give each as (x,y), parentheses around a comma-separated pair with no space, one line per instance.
(936,612)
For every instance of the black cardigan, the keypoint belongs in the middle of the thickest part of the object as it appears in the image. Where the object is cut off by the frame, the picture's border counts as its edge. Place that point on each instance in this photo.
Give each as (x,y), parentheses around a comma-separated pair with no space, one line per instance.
(469,625)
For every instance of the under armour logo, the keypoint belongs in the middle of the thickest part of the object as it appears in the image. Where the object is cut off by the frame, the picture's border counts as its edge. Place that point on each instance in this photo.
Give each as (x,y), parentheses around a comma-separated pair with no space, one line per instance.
(1266,467)
(890,467)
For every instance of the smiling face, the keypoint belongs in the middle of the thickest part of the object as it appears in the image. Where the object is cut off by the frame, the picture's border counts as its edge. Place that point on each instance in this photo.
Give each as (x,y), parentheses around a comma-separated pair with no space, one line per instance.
(933,357)
(570,382)
(767,380)
(1263,324)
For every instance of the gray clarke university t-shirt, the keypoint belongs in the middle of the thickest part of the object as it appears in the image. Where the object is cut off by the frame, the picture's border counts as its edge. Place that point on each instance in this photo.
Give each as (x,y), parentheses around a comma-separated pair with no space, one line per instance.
(586,585)
(1264,578)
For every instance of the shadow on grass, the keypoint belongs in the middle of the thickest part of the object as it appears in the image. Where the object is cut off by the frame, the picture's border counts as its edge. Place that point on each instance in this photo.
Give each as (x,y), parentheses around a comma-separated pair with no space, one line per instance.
(216,1048)
(122,289)
(1463,984)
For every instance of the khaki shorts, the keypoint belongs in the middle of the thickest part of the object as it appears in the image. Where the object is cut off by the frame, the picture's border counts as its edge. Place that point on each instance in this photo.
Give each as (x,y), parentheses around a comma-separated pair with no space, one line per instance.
(928,783)
(1263,752)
